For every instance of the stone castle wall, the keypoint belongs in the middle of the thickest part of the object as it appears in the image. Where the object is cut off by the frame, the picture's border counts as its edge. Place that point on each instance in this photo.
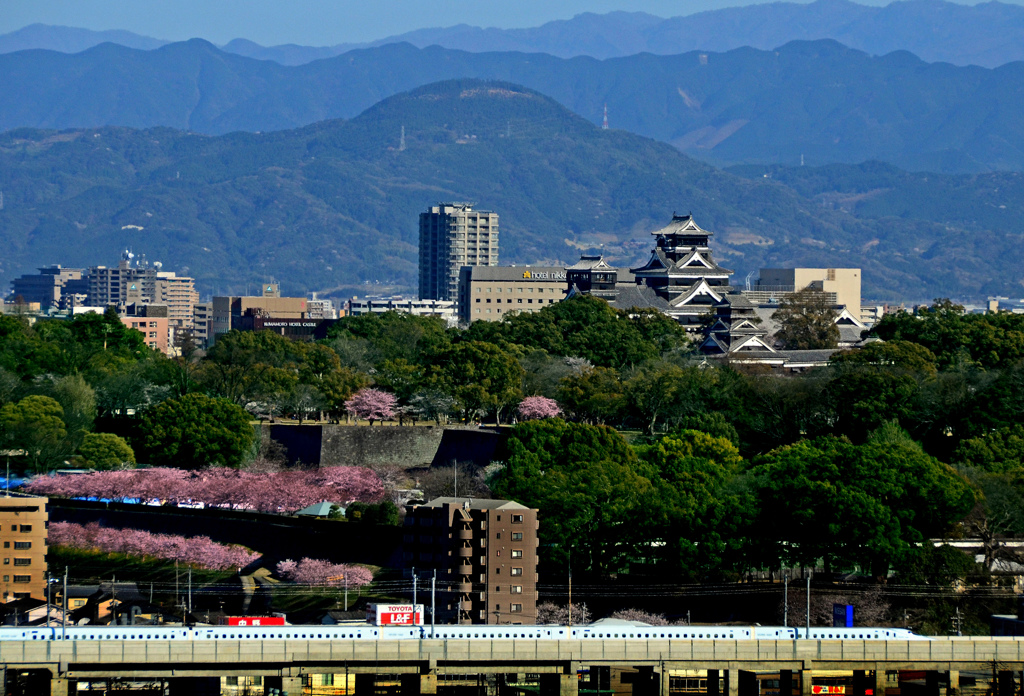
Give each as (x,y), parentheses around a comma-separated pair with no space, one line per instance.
(407,446)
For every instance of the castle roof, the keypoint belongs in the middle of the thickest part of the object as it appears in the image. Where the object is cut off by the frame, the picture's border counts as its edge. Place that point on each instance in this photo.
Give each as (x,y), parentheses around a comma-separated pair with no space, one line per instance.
(681,224)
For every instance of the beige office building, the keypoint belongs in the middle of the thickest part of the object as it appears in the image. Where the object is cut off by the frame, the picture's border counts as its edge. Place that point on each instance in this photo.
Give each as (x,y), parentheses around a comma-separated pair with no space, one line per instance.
(492,293)
(269,305)
(23,535)
(844,283)
(453,235)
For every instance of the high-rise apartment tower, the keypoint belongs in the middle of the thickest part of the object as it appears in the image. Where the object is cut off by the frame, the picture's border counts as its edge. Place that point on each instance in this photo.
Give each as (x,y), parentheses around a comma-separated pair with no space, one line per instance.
(453,235)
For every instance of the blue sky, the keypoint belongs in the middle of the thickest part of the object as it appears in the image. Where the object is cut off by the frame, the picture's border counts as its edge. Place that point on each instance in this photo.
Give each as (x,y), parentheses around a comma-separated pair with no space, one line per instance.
(316,22)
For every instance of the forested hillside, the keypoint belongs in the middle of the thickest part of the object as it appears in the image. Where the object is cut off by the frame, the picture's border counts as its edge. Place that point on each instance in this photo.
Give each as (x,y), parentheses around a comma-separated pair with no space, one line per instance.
(336,204)
(817,100)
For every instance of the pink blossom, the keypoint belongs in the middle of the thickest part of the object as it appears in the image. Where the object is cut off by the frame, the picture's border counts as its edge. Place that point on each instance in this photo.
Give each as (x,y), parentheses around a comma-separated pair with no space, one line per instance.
(313,571)
(372,404)
(198,551)
(534,407)
(280,492)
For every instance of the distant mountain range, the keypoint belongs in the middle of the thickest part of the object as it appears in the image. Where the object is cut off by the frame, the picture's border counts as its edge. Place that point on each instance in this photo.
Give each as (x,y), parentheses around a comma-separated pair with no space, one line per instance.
(335,204)
(988,34)
(813,100)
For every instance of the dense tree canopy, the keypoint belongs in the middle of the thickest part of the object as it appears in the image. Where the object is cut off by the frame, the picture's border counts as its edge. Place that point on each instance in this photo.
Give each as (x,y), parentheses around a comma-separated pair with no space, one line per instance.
(850,504)
(196,431)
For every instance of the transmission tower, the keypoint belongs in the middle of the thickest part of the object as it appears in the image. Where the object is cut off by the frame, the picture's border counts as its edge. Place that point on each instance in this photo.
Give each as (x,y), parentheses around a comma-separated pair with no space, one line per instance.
(604,125)
(401,141)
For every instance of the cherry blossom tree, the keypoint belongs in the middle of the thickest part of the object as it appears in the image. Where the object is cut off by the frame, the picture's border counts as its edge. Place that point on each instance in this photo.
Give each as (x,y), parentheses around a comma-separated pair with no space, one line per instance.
(371,405)
(641,616)
(198,551)
(319,573)
(535,407)
(551,613)
(275,492)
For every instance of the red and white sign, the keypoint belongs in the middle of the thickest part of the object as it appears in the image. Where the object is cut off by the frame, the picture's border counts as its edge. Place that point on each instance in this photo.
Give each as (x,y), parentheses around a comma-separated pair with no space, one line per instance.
(394,614)
(252,621)
(828,690)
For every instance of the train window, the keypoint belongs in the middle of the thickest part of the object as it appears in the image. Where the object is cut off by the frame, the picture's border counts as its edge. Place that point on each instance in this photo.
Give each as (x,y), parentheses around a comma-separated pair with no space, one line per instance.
(318,635)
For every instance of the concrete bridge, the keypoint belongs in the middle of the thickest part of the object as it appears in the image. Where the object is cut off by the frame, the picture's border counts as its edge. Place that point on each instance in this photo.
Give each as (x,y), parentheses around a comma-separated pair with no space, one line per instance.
(730,666)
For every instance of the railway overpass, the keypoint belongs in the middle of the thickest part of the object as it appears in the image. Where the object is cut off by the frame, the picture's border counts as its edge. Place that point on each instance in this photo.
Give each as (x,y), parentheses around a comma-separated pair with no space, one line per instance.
(192,667)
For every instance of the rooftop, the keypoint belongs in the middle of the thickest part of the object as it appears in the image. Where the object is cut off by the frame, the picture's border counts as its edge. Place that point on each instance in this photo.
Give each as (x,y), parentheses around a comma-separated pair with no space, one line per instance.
(477,503)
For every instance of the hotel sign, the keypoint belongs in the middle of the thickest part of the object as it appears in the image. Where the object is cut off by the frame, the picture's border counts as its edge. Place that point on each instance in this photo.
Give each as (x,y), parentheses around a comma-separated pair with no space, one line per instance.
(543,275)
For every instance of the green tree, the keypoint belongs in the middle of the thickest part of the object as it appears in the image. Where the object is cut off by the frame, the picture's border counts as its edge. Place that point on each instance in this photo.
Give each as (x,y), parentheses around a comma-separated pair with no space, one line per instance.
(245,366)
(895,355)
(806,321)
(592,395)
(700,513)
(987,340)
(665,391)
(35,424)
(480,376)
(78,400)
(591,489)
(106,451)
(196,430)
(998,451)
(852,505)
(863,400)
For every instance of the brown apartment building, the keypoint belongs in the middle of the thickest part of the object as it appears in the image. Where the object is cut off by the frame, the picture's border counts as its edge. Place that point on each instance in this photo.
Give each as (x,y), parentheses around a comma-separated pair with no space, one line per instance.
(485,555)
(23,537)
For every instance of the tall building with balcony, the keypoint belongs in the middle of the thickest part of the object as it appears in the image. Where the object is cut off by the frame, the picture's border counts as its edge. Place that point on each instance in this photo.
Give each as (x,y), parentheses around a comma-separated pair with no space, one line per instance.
(23,537)
(453,235)
(485,555)
(135,280)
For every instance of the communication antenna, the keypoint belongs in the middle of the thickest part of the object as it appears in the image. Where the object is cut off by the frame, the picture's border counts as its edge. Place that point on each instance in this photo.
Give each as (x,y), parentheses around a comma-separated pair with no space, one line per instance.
(401,142)
(604,125)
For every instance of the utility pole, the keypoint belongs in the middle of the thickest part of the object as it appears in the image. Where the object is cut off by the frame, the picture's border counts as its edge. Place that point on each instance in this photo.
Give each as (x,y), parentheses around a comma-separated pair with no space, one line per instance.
(785,600)
(958,622)
(414,590)
(190,589)
(47,597)
(808,635)
(64,613)
(177,588)
(346,592)
(433,598)
(570,589)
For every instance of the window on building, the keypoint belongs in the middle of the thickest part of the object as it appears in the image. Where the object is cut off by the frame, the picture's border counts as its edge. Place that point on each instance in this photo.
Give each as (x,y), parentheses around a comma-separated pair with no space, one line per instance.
(520,300)
(517,519)
(7,578)
(529,302)
(515,608)
(22,561)
(517,536)
(7,544)
(516,589)
(488,289)
(517,553)
(22,578)
(21,545)
(26,528)
(517,571)
(7,561)
(498,535)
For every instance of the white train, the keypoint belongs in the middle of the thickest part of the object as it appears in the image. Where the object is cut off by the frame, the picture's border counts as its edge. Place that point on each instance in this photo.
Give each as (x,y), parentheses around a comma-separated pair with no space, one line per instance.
(604,631)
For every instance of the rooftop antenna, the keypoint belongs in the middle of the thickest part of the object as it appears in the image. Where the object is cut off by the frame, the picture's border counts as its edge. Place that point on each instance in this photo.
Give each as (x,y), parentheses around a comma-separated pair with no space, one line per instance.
(401,142)
(604,125)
